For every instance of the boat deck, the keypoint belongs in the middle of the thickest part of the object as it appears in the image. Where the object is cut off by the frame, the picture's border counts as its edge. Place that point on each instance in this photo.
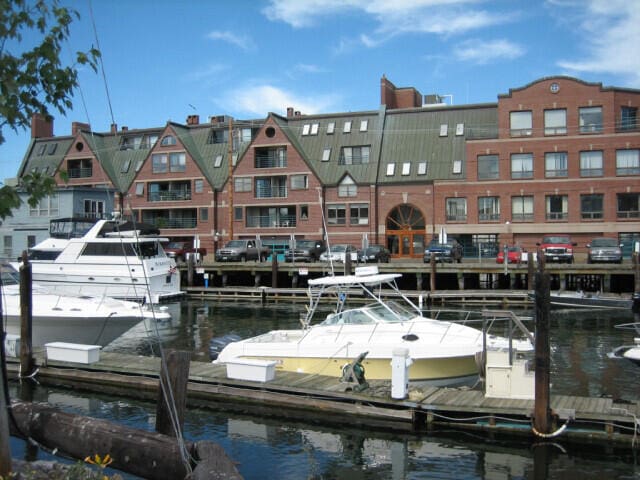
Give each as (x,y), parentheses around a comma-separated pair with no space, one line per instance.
(324,398)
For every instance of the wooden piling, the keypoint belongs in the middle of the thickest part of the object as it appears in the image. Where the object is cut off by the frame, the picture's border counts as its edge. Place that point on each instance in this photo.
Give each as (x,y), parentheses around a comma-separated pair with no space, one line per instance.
(190,270)
(26,318)
(432,277)
(347,263)
(172,397)
(274,270)
(542,410)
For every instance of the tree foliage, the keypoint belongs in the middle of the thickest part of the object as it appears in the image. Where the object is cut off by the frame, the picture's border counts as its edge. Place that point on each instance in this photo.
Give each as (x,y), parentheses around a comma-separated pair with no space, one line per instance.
(33,81)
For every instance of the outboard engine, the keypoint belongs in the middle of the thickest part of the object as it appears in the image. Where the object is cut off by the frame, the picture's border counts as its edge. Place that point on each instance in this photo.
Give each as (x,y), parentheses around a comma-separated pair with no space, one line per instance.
(217,344)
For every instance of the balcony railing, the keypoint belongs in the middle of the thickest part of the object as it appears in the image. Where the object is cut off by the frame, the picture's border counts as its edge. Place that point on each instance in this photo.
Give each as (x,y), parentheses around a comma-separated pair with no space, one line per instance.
(162,222)
(628,214)
(456,217)
(80,172)
(489,217)
(557,215)
(271,192)
(522,217)
(592,215)
(266,221)
(271,160)
(169,195)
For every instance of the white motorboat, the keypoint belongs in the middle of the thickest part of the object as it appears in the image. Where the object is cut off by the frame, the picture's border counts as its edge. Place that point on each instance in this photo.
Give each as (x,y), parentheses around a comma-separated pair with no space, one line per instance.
(443,353)
(107,258)
(629,352)
(71,318)
(581,299)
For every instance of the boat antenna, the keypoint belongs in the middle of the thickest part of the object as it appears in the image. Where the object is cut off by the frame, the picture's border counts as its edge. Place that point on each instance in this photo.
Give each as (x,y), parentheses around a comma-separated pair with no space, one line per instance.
(326,232)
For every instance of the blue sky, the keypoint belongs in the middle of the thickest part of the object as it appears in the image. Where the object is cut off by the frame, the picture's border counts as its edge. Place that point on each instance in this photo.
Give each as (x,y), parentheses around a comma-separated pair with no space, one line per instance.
(164,60)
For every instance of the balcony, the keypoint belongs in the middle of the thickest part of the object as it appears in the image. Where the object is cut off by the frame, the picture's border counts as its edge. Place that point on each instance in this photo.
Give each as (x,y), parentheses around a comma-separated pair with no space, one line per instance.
(169,196)
(171,219)
(271,158)
(628,214)
(271,191)
(273,221)
(557,215)
(80,172)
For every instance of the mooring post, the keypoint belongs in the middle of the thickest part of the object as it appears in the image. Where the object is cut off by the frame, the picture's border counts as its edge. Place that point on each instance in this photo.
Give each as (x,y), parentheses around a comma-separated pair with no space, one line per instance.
(347,263)
(432,279)
(542,410)
(530,271)
(26,318)
(172,397)
(274,270)
(190,269)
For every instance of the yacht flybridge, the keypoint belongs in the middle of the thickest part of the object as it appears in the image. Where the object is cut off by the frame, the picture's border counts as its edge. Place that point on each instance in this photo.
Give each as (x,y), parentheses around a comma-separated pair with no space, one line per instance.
(443,353)
(106,258)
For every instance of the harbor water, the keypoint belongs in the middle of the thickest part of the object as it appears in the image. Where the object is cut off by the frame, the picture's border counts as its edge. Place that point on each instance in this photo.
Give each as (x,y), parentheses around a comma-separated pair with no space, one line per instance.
(276,448)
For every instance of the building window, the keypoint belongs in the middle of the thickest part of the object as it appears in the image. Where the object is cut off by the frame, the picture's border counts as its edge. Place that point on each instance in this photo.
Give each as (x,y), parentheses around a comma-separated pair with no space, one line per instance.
(245,135)
(8,246)
(314,128)
(237,214)
(591,206)
(139,164)
(488,167)
(522,209)
(346,127)
(331,127)
(522,165)
(42,149)
(443,130)
(557,207)
(406,168)
(628,205)
(46,207)
(359,214)
(204,214)
(422,168)
(364,125)
(271,157)
(139,189)
(305,129)
(354,155)
(336,215)
(159,163)
(627,162)
(198,185)
(218,136)
(31,241)
(218,161)
(271,187)
(489,209)
(629,118)
(590,119)
(168,140)
(457,167)
(178,162)
(125,166)
(94,208)
(520,123)
(459,129)
(326,154)
(555,164)
(391,169)
(347,188)
(456,209)
(591,163)
(555,122)
(242,184)
(52,149)
(299,182)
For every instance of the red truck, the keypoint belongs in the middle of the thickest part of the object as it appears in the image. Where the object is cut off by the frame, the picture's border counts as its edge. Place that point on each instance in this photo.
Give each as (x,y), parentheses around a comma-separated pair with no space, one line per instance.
(557,248)
(180,250)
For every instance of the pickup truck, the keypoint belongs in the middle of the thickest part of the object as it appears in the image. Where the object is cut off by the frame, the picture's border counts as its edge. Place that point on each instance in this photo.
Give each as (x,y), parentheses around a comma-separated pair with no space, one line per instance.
(557,248)
(242,250)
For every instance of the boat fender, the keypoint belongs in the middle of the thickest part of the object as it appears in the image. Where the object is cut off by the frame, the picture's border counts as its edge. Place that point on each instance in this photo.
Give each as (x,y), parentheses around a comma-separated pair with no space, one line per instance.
(558,432)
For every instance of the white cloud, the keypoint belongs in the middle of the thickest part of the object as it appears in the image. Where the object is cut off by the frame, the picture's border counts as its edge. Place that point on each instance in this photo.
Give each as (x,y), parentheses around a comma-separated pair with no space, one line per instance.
(257,100)
(206,72)
(484,52)
(242,41)
(609,31)
(308,68)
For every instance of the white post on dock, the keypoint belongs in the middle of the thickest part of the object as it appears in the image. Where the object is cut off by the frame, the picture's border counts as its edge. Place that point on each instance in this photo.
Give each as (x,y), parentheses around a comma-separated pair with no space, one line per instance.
(400,363)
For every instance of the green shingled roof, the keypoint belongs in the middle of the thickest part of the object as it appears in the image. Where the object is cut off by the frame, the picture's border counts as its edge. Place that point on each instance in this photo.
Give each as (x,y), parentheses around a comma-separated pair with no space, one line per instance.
(45,155)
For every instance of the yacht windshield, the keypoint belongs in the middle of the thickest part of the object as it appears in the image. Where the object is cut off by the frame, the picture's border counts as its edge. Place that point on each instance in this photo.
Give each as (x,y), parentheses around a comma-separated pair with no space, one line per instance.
(8,275)
(392,312)
(376,313)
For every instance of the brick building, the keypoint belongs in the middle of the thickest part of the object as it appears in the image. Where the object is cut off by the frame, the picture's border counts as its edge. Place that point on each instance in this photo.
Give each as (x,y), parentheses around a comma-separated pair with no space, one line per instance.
(557,155)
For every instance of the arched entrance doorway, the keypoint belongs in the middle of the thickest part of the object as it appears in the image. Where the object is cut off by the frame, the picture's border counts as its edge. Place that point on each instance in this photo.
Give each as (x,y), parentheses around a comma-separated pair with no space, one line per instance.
(405,231)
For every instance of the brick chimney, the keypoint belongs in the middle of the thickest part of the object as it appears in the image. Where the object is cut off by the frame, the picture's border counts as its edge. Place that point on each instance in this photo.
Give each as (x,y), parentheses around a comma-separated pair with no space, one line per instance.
(392,97)
(125,129)
(78,126)
(114,128)
(289,112)
(41,127)
(193,119)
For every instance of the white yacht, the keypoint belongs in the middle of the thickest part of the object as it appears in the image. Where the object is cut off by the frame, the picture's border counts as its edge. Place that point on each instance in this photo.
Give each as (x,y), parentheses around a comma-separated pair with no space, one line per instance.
(71,318)
(442,353)
(630,352)
(105,258)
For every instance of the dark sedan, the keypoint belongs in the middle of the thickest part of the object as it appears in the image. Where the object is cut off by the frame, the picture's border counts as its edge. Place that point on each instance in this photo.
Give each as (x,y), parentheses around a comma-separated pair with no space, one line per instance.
(374,253)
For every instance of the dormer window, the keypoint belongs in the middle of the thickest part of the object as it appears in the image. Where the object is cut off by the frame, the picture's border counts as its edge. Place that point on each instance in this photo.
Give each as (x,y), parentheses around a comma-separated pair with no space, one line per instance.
(331,127)
(347,127)
(364,125)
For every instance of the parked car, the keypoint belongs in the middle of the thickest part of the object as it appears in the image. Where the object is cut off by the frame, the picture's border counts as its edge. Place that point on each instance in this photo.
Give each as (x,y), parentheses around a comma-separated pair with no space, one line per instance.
(374,253)
(557,248)
(180,250)
(514,255)
(443,252)
(305,251)
(605,250)
(337,253)
(243,250)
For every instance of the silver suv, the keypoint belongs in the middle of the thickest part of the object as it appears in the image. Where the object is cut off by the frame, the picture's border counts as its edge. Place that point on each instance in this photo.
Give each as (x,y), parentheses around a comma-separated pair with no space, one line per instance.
(605,250)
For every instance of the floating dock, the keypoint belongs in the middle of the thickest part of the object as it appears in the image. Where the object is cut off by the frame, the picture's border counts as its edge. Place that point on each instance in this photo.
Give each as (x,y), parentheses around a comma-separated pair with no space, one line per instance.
(303,396)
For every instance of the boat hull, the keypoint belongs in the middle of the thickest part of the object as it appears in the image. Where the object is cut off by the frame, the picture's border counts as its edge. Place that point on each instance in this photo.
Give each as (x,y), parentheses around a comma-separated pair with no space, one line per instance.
(438,372)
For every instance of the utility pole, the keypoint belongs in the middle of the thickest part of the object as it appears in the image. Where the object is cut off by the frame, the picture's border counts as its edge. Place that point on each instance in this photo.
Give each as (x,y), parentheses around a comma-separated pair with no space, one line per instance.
(230,141)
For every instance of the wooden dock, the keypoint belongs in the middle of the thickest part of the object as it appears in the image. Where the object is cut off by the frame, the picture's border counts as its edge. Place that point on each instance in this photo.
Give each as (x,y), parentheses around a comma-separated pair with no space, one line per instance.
(304,397)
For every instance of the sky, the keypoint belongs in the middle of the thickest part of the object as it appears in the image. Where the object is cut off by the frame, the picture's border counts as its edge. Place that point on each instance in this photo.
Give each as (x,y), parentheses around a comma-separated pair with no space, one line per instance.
(164,60)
